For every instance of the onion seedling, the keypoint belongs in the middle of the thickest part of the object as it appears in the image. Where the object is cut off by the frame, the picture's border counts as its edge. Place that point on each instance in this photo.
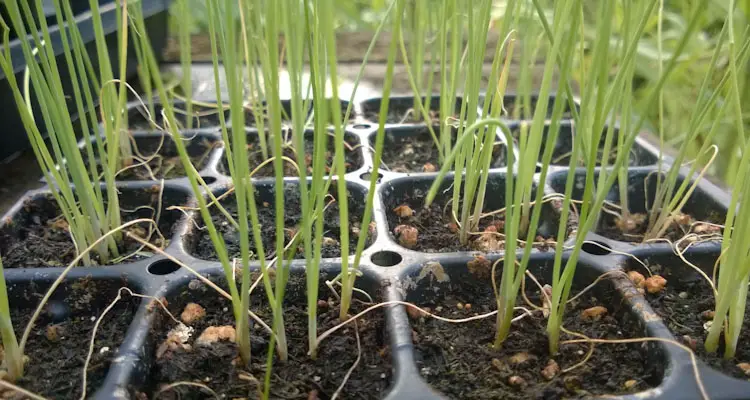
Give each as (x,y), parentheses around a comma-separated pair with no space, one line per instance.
(184,39)
(734,271)
(12,356)
(64,167)
(671,196)
(597,107)
(223,35)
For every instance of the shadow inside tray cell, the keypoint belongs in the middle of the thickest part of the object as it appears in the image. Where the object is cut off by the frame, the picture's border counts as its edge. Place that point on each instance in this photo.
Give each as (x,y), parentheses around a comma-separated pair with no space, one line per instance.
(201,117)
(458,359)
(402,110)
(204,311)
(155,156)
(198,241)
(59,340)
(412,149)
(37,234)
(564,146)
(252,114)
(523,108)
(433,229)
(699,214)
(353,154)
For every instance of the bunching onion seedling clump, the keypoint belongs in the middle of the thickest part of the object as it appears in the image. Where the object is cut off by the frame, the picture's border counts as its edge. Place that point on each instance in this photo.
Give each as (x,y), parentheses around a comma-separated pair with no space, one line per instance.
(259,47)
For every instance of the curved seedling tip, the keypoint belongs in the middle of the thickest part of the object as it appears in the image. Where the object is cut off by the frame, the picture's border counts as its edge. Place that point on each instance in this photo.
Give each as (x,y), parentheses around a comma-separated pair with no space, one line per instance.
(469,133)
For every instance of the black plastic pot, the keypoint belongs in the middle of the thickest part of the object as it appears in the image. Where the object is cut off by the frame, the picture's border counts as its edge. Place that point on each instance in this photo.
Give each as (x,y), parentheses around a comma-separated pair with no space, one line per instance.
(14,139)
(393,272)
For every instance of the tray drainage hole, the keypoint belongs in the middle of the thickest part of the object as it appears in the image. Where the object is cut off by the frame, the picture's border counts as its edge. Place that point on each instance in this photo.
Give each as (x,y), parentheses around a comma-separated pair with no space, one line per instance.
(366,176)
(386,258)
(208,179)
(596,248)
(361,126)
(163,267)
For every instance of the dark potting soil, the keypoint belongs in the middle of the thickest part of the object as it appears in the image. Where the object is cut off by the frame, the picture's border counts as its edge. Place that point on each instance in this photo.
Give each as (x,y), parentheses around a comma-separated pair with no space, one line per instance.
(438,233)
(417,152)
(685,316)
(608,227)
(459,361)
(353,156)
(162,160)
(201,246)
(202,118)
(38,235)
(58,344)
(300,377)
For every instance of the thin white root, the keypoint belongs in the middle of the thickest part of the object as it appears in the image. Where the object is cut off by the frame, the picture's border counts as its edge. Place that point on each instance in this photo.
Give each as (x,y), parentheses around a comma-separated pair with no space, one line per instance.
(353,367)
(7,385)
(185,383)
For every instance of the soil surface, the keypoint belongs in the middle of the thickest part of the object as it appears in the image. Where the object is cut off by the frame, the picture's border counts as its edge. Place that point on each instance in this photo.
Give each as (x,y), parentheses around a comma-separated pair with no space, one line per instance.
(686,314)
(59,342)
(203,117)
(162,160)
(353,155)
(38,235)
(217,365)
(437,232)
(417,152)
(201,246)
(458,360)
(610,227)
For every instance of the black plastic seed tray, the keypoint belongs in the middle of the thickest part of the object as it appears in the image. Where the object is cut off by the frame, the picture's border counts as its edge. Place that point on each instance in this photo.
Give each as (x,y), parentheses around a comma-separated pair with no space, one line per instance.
(425,277)
(14,139)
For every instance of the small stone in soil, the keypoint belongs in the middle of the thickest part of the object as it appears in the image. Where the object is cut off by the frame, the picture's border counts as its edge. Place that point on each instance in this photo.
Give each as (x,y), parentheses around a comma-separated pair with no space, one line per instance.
(488,242)
(214,334)
(330,242)
(460,306)
(594,313)
(655,284)
(745,367)
(708,315)
(403,211)
(683,295)
(551,370)
(429,167)
(630,384)
(415,313)
(322,304)
(521,358)
(479,267)
(407,235)
(192,312)
(690,342)
(636,277)
(53,333)
(516,381)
